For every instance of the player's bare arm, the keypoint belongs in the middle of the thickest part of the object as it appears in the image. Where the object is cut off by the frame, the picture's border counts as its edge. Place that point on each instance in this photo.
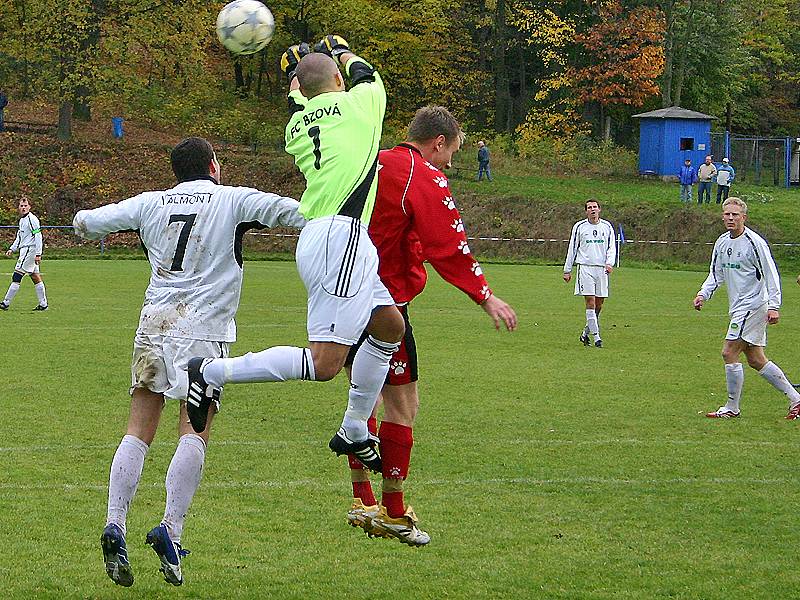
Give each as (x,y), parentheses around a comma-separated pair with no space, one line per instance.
(500,312)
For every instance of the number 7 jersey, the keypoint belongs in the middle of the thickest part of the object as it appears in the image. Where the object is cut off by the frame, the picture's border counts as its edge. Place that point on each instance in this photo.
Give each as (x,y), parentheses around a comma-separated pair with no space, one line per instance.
(192,236)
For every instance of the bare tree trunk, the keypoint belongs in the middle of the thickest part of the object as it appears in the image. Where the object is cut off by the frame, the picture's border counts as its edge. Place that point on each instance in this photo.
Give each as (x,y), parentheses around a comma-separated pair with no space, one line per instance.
(83,94)
(669,44)
(502,92)
(65,120)
(687,39)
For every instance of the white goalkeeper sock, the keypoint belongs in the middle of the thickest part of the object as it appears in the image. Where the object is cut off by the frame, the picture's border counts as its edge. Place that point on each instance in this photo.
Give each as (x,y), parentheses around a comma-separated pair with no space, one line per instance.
(183,478)
(370,366)
(279,363)
(126,469)
(39,287)
(12,291)
(772,373)
(734,377)
(592,324)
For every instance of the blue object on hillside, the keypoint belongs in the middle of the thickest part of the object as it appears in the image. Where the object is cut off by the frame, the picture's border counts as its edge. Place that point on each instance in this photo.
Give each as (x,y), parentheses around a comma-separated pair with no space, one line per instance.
(669,136)
(117,124)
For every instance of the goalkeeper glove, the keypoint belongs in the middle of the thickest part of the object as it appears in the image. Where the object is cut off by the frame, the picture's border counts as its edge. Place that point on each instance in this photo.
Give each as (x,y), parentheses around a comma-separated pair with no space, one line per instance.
(332,45)
(292,57)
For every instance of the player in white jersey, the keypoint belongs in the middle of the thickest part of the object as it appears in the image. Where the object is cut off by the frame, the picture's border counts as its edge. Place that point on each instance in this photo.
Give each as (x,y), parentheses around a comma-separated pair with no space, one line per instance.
(192,235)
(743,262)
(592,247)
(29,243)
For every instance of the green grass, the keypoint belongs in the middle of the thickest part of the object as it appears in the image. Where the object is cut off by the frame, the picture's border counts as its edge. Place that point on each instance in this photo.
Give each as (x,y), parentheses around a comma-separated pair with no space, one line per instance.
(541,469)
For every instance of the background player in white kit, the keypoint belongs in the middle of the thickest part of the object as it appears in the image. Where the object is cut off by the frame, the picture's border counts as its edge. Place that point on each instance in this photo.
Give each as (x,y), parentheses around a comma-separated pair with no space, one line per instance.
(29,243)
(192,235)
(742,260)
(592,247)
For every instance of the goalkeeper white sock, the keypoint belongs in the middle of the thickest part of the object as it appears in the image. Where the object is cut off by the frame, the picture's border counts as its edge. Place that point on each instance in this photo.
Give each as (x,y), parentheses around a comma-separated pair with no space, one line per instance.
(734,377)
(279,363)
(183,478)
(126,469)
(592,324)
(12,291)
(772,373)
(39,287)
(370,366)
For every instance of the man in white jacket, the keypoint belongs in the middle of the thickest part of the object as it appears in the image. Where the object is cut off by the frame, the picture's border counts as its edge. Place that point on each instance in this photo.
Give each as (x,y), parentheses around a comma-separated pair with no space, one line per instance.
(742,260)
(192,235)
(29,244)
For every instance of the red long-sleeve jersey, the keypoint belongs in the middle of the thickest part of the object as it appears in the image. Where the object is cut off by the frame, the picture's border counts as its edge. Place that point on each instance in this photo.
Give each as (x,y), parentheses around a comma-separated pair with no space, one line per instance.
(415,219)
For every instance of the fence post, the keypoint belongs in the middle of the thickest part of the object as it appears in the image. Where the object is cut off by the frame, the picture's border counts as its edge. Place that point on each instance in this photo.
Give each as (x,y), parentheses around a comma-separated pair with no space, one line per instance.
(102,246)
(728,144)
(787,161)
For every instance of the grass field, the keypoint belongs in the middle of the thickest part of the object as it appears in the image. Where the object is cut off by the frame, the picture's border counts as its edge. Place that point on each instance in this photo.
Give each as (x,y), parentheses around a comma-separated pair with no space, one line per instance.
(542,469)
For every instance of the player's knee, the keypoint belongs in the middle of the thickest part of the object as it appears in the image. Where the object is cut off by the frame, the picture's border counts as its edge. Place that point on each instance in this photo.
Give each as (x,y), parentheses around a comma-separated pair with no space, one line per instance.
(16,277)
(325,370)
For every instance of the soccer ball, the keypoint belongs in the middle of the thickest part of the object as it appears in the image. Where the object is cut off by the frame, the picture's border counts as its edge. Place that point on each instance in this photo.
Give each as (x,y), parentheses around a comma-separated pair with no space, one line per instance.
(245,26)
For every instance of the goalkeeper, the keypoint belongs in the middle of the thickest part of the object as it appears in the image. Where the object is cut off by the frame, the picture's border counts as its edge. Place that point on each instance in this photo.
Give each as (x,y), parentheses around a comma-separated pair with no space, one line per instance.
(333,134)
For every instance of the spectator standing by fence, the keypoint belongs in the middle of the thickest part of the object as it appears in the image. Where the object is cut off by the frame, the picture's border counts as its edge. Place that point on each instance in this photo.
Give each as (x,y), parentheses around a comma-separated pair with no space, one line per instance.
(3,104)
(483,161)
(687,178)
(706,174)
(725,176)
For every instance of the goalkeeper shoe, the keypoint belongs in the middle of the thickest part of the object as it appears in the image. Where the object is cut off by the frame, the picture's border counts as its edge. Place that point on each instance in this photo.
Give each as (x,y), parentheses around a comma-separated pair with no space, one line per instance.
(723,412)
(200,394)
(364,450)
(361,516)
(584,339)
(403,528)
(169,553)
(115,555)
(794,412)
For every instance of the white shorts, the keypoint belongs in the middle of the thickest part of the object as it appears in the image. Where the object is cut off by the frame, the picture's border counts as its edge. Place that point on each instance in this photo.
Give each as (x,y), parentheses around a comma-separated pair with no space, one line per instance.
(749,326)
(159,362)
(27,261)
(338,264)
(591,281)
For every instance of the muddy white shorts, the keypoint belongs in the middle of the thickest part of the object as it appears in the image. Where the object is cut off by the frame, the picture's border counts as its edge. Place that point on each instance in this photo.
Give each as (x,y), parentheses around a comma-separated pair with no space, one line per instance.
(338,264)
(591,281)
(27,261)
(749,326)
(159,362)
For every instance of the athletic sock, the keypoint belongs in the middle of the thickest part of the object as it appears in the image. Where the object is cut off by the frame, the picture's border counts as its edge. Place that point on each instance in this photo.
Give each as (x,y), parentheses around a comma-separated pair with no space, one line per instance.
(772,373)
(126,469)
(12,291)
(359,474)
(395,446)
(183,478)
(370,366)
(279,363)
(734,377)
(40,294)
(592,324)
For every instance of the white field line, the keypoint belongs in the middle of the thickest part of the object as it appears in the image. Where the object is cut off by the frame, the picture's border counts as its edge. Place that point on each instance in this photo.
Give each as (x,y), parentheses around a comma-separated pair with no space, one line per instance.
(324,483)
(516,442)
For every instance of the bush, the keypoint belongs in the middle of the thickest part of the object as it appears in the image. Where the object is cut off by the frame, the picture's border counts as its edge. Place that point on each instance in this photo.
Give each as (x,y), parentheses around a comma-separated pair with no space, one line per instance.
(580,155)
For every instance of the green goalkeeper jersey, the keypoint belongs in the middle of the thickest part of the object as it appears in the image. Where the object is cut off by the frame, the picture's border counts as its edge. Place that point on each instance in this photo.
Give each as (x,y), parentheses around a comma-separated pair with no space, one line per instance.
(334,139)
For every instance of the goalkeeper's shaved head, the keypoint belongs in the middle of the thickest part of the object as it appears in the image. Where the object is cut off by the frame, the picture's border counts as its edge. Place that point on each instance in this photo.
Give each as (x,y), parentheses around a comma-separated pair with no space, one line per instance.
(317,73)
(432,121)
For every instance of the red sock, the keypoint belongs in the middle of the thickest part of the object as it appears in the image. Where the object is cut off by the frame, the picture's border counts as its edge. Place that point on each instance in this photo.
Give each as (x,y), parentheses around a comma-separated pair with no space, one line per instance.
(363,489)
(396,443)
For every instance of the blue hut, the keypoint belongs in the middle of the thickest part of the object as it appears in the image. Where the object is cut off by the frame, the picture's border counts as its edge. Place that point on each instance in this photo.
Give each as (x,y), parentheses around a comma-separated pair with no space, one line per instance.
(668,136)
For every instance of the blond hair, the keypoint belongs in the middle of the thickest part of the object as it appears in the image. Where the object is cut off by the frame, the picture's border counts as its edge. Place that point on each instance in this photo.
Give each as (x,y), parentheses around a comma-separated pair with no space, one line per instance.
(736,202)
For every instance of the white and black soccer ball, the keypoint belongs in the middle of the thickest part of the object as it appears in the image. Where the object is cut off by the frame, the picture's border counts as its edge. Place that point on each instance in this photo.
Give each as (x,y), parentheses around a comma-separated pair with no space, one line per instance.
(245,26)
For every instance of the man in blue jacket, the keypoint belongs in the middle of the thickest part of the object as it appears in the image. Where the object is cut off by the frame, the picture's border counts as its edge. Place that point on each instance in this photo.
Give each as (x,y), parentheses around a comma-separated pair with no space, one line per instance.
(687,178)
(483,161)
(725,175)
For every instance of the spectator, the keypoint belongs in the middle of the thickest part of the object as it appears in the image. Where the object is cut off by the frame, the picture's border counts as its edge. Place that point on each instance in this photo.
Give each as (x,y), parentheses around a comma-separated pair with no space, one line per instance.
(706,174)
(3,104)
(483,161)
(725,176)
(687,178)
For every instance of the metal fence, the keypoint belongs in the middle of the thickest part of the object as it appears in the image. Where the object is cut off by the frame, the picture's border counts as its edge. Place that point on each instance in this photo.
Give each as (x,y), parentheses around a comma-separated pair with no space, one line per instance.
(758,160)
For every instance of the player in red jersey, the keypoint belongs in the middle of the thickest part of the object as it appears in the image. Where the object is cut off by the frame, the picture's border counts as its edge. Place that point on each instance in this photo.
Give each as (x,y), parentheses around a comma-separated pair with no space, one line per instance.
(415,220)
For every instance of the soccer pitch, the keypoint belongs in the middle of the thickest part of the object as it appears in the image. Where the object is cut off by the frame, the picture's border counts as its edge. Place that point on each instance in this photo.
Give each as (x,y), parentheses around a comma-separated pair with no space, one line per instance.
(541,469)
